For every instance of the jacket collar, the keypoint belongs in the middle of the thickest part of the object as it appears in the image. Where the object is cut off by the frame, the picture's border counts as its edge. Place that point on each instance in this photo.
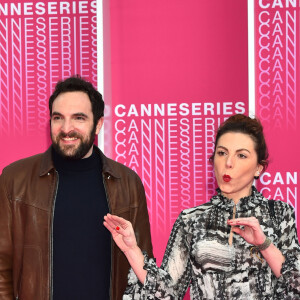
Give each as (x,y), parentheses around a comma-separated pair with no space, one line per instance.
(107,164)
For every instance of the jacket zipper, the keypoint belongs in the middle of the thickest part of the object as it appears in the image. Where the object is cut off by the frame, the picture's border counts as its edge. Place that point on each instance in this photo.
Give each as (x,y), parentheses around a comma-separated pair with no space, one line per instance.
(51,241)
(111,240)
(230,239)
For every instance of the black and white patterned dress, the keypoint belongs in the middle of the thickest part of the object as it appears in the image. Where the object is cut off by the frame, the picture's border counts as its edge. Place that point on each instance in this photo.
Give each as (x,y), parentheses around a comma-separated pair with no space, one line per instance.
(198,255)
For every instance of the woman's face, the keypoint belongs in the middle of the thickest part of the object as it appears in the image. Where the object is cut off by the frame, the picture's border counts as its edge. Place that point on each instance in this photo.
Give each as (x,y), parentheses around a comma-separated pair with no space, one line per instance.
(235,165)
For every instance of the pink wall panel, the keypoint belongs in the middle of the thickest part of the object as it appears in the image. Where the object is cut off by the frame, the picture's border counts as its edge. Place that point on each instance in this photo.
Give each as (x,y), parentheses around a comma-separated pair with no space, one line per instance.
(173,71)
(40,43)
(277,29)
(178,68)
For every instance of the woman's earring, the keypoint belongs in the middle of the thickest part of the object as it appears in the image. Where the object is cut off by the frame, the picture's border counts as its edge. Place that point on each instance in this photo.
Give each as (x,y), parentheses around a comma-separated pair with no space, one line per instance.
(256,177)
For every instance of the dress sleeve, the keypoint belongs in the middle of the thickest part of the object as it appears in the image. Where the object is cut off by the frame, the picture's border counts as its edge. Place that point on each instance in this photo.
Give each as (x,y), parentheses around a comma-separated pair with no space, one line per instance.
(171,280)
(288,284)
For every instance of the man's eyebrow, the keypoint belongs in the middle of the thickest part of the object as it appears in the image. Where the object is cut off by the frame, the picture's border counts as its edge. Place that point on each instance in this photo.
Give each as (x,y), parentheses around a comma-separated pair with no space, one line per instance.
(55,113)
(80,115)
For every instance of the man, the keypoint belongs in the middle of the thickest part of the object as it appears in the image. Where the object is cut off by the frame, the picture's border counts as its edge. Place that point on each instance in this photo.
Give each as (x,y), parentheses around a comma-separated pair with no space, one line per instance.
(53,244)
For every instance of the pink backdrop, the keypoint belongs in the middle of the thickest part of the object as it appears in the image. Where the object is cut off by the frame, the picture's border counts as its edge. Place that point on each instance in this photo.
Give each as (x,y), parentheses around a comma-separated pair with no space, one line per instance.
(41,42)
(173,71)
(177,70)
(277,95)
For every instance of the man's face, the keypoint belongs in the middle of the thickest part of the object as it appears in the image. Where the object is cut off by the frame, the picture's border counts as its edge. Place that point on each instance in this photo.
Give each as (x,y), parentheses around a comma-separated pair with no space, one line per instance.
(72,125)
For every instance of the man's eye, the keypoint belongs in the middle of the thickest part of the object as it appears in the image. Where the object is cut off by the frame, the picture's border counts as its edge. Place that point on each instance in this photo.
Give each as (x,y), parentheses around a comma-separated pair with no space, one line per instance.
(79,118)
(56,118)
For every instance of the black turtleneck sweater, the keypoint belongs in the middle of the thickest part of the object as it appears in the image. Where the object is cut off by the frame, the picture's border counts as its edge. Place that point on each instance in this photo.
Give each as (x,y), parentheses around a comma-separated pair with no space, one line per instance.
(81,244)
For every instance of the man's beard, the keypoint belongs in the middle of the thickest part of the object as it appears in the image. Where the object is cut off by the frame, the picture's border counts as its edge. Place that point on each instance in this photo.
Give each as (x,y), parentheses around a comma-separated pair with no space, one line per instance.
(72,152)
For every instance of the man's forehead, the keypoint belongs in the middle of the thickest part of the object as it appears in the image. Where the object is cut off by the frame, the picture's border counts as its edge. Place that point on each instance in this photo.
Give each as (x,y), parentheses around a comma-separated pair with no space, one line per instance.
(75,102)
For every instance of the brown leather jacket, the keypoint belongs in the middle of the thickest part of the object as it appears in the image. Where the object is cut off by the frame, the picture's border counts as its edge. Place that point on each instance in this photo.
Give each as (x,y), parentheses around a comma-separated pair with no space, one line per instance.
(27,198)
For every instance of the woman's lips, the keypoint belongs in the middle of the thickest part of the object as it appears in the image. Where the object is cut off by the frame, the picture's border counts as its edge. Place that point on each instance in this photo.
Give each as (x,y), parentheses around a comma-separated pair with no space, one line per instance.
(226,178)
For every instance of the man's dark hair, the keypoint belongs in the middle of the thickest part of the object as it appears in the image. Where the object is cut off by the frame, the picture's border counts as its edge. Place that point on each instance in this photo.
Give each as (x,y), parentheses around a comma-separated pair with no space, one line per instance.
(78,84)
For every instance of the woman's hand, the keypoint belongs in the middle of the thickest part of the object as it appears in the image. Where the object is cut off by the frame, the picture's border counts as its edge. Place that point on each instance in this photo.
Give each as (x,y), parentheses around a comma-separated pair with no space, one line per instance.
(252,232)
(122,232)
(123,235)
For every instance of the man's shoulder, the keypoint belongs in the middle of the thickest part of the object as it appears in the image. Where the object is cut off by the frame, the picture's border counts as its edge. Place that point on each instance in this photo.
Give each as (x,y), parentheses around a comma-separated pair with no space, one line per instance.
(117,169)
(24,164)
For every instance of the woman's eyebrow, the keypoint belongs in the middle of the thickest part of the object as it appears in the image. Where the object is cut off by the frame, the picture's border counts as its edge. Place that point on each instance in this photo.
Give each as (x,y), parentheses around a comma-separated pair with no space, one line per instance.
(238,150)
(243,149)
(222,148)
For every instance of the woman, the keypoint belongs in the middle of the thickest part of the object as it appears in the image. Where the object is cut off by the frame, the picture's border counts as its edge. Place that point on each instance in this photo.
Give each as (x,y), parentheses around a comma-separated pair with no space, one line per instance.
(236,246)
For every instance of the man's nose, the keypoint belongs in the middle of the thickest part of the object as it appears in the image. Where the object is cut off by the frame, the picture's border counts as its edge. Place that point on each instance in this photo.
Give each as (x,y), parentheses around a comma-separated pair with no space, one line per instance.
(67,126)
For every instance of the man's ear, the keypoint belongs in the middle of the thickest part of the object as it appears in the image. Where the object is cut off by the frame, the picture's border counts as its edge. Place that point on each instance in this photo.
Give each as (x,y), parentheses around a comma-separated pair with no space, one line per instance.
(99,125)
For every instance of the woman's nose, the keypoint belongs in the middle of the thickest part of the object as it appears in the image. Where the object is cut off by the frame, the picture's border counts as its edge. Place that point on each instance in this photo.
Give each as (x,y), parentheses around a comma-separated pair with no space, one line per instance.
(229,162)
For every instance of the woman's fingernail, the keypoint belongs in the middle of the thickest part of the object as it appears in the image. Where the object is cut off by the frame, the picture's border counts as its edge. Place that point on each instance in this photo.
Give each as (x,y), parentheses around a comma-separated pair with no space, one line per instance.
(117,228)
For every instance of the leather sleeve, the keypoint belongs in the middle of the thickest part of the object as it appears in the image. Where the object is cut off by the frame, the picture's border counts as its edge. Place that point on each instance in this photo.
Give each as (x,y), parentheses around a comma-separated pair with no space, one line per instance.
(6,282)
(141,224)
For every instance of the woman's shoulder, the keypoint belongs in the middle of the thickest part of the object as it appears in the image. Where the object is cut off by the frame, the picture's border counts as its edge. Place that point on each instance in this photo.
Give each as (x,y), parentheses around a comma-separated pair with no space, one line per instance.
(195,212)
(281,208)
(188,217)
(197,209)
(278,205)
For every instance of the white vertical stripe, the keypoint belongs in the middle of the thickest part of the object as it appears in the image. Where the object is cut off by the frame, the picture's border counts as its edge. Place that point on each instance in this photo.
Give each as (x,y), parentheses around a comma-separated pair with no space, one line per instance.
(75,46)
(251,61)
(251,58)
(100,63)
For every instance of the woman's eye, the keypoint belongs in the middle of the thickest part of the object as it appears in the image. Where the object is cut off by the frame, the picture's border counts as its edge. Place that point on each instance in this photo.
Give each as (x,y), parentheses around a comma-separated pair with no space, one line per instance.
(240,155)
(221,153)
